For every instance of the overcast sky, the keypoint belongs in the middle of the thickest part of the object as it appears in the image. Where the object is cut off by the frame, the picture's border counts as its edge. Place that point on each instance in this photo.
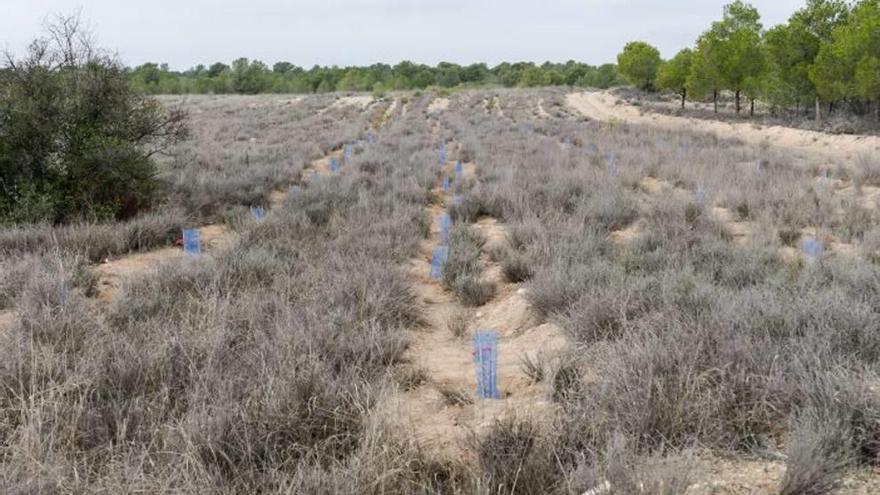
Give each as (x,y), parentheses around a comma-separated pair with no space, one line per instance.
(344,32)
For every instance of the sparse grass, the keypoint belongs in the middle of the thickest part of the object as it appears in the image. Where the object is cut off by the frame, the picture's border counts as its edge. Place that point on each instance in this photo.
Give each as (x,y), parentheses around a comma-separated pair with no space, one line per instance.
(817,453)
(534,368)
(463,270)
(514,458)
(516,266)
(789,236)
(457,323)
(867,171)
(410,377)
(454,396)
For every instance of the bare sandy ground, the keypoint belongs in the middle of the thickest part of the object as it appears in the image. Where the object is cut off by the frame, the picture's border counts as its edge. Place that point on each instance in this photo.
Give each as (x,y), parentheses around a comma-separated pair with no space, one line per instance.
(438,424)
(438,105)
(113,273)
(604,107)
(541,112)
(362,101)
(7,318)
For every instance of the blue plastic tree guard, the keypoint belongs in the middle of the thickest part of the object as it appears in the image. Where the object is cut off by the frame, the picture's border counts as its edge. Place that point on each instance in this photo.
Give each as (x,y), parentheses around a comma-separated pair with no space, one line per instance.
(371,138)
(612,165)
(441,157)
(446,184)
(438,259)
(459,170)
(334,165)
(812,249)
(191,242)
(757,165)
(294,190)
(456,199)
(258,213)
(486,363)
(64,292)
(347,151)
(360,143)
(445,227)
(591,149)
(567,141)
(700,194)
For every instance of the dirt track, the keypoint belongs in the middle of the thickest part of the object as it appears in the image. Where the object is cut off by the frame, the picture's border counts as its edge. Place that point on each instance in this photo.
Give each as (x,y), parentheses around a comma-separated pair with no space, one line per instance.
(604,107)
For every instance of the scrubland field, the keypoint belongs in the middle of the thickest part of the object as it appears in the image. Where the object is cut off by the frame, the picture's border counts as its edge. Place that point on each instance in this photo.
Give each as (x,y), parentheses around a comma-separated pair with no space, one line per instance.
(682,308)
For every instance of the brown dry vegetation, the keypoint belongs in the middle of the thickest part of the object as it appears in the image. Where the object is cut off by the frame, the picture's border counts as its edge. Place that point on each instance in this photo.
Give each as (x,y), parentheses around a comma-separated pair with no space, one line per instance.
(653,339)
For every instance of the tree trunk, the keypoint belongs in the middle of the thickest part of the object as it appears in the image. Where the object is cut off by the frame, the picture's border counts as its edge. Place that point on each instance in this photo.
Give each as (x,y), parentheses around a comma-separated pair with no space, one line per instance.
(684,93)
(715,100)
(751,107)
(737,102)
(877,110)
(818,111)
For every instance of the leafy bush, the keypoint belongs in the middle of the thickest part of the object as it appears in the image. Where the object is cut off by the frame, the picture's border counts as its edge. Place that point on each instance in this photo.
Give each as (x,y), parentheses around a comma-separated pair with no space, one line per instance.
(75,140)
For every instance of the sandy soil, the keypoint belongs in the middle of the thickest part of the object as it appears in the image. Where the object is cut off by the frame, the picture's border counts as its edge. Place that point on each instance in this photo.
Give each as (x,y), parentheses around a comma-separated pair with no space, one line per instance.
(7,319)
(438,105)
(541,112)
(603,106)
(391,108)
(438,423)
(276,199)
(362,101)
(114,272)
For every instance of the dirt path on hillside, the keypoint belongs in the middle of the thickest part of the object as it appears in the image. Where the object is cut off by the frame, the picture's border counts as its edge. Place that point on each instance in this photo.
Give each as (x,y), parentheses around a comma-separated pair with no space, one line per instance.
(542,113)
(604,107)
(440,411)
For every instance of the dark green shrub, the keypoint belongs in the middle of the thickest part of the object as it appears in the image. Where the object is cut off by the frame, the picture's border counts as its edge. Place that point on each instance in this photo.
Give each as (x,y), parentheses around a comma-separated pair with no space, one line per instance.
(75,140)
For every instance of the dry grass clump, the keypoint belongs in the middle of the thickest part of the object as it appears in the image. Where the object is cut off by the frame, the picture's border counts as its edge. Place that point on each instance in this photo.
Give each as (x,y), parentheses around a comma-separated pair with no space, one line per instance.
(95,241)
(463,270)
(818,451)
(514,457)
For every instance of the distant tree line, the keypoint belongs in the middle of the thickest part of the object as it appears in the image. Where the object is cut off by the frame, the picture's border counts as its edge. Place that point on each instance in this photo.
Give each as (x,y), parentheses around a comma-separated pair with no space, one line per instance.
(826,56)
(252,76)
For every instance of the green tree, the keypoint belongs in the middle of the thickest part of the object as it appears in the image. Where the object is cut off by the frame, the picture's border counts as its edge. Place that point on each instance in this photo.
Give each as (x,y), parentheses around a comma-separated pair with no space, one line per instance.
(216,69)
(868,81)
(706,66)
(534,77)
(638,63)
(249,77)
(848,55)
(75,139)
(282,67)
(792,49)
(673,75)
(739,38)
